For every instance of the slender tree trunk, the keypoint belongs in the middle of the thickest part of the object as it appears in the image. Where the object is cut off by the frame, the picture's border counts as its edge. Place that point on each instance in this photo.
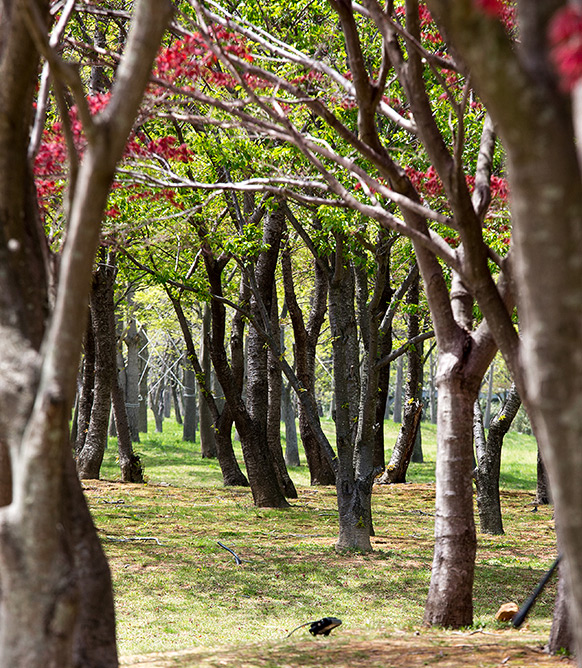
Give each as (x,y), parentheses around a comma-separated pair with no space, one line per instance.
(129,462)
(207,436)
(404,447)
(397,412)
(87,388)
(306,337)
(231,473)
(5,476)
(156,395)
(489,461)
(291,442)
(142,414)
(190,423)
(90,458)
(543,495)
(274,409)
(132,373)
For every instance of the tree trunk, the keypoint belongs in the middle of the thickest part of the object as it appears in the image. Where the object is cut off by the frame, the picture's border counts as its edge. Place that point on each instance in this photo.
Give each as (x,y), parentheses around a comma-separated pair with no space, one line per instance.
(489,461)
(397,412)
(207,438)
(156,395)
(306,337)
(354,492)
(190,423)
(142,414)
(90,458)
(132,374)
(265,489)
(291,442)
(129,462)
(561,637)
(402,454)
(274,408)
(231,473)
(543,495)
(404,447)
(87,388)
(254,433)
(56,603)
(450,597)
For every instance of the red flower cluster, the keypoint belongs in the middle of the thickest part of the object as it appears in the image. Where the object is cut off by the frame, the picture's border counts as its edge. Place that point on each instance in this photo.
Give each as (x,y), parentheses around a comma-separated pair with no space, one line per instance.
(427,182)
(566,43)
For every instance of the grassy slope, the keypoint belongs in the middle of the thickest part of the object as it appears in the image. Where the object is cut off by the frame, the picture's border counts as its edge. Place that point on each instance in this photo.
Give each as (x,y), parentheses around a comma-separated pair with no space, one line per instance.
(187,592)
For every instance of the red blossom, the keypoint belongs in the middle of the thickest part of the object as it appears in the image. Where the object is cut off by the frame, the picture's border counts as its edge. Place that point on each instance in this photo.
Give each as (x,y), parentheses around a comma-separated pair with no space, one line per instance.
(565,36)
(491,7)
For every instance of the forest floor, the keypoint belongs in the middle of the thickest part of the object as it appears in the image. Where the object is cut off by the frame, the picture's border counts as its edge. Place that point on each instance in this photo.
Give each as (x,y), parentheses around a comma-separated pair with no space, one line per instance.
(183,602)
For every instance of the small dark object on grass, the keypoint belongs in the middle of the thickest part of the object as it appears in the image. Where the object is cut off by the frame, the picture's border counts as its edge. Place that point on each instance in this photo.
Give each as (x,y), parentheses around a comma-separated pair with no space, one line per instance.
(237,559)
(320,627)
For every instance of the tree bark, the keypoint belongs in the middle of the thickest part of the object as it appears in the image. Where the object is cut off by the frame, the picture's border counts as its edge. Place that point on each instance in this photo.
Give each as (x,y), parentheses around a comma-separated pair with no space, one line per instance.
(90,458)
(56,603)
(306,336)
(450,597)
(207,437)
(190,422)
(275,382)
(561,636)
(489,461)
(264,487)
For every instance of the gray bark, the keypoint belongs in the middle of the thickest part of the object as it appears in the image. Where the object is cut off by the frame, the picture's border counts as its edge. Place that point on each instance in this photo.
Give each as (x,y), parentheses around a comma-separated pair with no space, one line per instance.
(56,603)
(488,451)
(207,439)
(190,423)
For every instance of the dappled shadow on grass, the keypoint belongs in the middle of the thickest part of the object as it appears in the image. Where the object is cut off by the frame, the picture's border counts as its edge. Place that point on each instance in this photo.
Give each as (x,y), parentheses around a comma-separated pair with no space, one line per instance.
(345,650)
(187,591)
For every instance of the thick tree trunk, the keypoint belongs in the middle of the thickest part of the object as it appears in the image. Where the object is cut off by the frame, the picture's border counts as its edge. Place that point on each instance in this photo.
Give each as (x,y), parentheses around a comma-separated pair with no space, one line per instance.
(561,637)
(354,488)
(56,603)
(450,597)
(255,443)
(251,427)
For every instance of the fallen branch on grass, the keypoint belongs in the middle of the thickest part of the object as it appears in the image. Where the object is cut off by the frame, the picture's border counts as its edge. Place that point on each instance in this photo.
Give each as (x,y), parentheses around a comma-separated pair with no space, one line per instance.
(132,538)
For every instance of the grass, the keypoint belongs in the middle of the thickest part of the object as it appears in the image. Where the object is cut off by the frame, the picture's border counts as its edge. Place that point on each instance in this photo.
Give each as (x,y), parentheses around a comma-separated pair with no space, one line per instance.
(176,589)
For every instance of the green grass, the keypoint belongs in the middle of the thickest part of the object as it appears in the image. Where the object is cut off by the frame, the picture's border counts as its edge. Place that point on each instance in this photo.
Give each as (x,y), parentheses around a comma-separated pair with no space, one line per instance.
(187,591)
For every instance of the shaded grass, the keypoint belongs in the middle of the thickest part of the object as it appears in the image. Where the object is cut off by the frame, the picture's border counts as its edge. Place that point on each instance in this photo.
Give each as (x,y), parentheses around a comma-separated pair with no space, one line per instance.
(187,591)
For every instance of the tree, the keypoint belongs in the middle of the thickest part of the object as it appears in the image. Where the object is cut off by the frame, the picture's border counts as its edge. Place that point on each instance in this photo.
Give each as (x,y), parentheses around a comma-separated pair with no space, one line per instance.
(56,602)
(488,456)
(515,78)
